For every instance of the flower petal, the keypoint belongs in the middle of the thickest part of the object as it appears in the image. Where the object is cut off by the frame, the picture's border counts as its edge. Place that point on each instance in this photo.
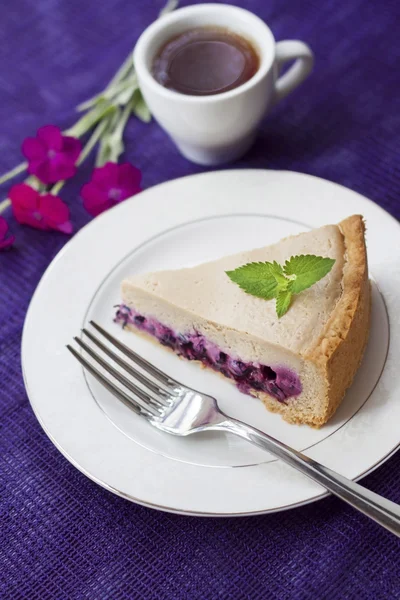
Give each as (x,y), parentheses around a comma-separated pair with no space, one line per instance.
(71,148)
(54,211)
(129,176)
(106,176)
(23,197)
(33,149)
(128,192)
(43,171)
(6,243)
(51,136)
(50,171)
(5,240)
(3,228)
(95,199)
(32,218)
(36,166)
(62,167)
(65,227)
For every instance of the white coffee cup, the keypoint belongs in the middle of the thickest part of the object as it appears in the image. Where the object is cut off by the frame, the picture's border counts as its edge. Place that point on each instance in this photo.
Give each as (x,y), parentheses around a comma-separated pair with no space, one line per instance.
(215,129)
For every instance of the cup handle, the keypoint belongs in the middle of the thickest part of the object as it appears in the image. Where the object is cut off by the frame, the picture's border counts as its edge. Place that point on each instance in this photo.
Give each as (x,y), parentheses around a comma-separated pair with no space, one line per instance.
(298,72)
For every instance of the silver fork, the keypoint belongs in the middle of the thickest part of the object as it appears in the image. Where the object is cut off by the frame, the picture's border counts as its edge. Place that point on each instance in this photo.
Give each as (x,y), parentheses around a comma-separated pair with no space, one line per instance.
(179,410)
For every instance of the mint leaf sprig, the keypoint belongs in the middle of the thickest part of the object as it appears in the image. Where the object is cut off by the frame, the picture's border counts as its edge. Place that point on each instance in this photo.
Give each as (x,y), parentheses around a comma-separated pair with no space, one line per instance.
(268,280)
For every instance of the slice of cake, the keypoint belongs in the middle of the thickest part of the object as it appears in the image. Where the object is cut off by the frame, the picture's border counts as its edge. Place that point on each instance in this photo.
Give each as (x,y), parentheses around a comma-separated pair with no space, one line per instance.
(299,365)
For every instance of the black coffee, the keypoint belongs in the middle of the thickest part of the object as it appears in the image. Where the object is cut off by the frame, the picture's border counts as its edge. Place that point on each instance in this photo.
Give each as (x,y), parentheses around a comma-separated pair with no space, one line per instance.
(205,61)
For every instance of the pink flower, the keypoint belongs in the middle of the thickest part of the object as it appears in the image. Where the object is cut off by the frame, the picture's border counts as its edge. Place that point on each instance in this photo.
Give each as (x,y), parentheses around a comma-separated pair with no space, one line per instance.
(110,185)
(51,156)
(43,211)
(5,240)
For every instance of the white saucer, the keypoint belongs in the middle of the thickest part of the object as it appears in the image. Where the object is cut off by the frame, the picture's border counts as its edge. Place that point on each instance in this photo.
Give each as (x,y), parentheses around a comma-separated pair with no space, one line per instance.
(177,224)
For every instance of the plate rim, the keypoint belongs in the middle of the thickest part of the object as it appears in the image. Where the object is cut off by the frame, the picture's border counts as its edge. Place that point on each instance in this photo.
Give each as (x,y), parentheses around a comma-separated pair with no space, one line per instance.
(149,240)
(111,488)
(190,513)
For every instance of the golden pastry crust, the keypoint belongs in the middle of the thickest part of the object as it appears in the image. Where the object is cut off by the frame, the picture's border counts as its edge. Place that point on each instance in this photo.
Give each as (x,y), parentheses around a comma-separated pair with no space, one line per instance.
(338,352)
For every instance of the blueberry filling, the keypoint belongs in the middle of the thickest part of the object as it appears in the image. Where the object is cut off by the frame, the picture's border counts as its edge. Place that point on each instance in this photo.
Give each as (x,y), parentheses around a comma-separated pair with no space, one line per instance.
(280,382)
(221,360)
(168,340)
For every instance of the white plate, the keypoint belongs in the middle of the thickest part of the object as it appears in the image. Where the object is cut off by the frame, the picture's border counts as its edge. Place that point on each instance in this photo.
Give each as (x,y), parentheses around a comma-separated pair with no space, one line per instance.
(177,224)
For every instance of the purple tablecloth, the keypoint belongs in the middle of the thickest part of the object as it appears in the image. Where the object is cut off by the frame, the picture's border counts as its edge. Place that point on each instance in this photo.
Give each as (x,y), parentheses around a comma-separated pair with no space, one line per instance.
(62,536)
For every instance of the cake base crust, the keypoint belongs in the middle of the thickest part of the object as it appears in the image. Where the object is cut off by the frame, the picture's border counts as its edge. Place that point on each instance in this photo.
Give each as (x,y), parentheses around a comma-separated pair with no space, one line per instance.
(338,352)
(329,364)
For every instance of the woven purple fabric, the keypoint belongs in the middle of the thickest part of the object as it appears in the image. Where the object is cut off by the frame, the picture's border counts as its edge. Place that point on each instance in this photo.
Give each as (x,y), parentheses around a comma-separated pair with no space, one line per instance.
(62,536)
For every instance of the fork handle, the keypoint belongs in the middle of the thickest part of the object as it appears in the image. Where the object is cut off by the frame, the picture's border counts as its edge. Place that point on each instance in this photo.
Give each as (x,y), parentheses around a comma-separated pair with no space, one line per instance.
(383,511)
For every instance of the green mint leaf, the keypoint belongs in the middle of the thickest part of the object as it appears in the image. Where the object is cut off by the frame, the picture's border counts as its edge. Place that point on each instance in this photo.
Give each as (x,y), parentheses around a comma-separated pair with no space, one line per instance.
(268,280)
(283,300)
(277,272)
(305,270)
(257,279)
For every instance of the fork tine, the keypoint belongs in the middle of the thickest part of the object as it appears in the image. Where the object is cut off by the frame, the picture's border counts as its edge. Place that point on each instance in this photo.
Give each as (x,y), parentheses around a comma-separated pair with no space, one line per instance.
(144,397)
(156,388)
(130,402)
(144,364)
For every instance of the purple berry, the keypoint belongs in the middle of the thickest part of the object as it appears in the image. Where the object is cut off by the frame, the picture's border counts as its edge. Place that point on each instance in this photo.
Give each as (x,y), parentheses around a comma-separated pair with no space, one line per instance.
(282,383)
(168,339)
(238,368)
(268,373)
(221,360)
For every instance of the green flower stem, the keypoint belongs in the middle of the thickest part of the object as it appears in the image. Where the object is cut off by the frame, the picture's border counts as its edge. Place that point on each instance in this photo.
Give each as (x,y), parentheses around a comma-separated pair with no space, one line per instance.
(125,95)
(56,188)
(124,118)
(94,138)
(169,7)
(104,151)
(117,83)
(90,119)
(35,184)
(123,71)
(110,93)
(90,144)
(115,139)
(117,92)
(4,205)
(16,171)
(77,130)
